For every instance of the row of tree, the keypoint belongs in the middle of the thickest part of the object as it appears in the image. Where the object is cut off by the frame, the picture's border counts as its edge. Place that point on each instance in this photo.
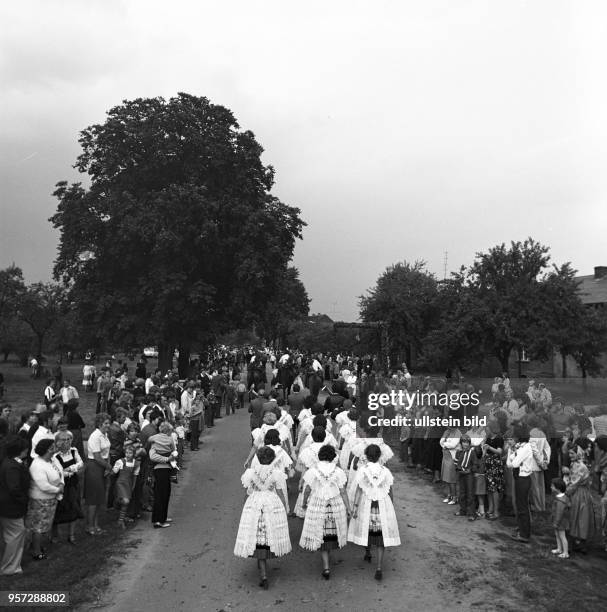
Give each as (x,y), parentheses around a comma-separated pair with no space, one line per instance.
(508,301)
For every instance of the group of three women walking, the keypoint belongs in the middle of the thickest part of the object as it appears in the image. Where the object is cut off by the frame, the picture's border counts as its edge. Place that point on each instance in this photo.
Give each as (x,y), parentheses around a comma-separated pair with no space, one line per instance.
(336,512)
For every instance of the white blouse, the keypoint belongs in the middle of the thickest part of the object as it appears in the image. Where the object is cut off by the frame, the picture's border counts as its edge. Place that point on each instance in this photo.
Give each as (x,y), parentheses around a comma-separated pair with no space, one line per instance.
(98,442)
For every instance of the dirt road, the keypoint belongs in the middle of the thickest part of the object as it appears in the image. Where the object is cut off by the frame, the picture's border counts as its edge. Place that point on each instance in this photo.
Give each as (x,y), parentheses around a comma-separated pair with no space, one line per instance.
(444,562)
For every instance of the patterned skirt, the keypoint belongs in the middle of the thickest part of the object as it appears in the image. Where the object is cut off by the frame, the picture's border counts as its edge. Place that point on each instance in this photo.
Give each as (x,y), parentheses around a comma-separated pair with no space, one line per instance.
(375,535)
(494,473)
(40,514)
(329,531)
(262,546)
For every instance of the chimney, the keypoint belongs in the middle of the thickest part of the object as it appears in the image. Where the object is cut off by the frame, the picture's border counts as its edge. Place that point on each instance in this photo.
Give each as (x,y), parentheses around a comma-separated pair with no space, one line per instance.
(600,272)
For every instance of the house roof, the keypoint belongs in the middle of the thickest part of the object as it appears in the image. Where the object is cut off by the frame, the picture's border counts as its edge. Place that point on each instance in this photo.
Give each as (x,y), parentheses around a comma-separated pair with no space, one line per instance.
(592,290)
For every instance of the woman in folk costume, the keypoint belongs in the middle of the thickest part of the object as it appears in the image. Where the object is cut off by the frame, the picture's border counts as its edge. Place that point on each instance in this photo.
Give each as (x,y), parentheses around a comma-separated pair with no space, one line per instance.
(373,518)
(263,532)
(307,459)
(347,434)
(270,422)
(319,421)
(327,510)
(358,457)
(307,425)
(282,461)
(285,418)
(306,411)
(341,418)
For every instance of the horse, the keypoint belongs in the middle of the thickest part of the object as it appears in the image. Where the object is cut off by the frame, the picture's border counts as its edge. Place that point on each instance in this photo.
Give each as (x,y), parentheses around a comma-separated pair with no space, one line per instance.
(286,376)
(256,375)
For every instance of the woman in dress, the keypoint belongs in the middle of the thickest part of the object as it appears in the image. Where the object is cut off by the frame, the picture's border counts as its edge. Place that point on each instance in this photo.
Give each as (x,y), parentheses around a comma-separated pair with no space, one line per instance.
(326,505)
(373,517)
(494,468)
(263,532)
(307,459)
(358,457)
(583,523)
(46,486)
(320,420)
(97,470)
(88,376)
(67,459)
(282,462)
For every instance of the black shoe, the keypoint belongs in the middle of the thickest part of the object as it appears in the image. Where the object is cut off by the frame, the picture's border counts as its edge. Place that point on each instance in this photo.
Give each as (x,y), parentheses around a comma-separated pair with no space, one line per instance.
(263,583)
(378,575)
(367,557)
(326,574)
(519,538)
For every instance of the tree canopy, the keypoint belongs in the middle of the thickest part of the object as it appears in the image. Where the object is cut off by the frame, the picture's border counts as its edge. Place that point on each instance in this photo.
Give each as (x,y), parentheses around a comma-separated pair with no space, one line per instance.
(178,236)
(405,299)
(289,305)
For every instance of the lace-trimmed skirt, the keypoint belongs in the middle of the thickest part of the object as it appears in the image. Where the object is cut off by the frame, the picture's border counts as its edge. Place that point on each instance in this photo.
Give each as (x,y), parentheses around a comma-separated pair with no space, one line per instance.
(262,546)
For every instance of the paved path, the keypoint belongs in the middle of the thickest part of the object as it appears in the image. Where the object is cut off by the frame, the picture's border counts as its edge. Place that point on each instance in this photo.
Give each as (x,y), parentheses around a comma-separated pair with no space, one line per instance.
(191,565)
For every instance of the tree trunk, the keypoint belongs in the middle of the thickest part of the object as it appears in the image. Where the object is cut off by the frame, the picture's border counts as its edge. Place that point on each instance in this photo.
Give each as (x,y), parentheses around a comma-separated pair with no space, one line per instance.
(564,362)
(520,363)
(40,342)
(165,357)
(183,363)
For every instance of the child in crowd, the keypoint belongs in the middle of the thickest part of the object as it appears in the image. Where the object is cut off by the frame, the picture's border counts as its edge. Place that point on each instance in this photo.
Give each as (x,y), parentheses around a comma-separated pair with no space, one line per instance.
(480,481)
(465,466)
(560,517)
(139,453)
(127,470)
(241,391)
(180,433)
(450,443)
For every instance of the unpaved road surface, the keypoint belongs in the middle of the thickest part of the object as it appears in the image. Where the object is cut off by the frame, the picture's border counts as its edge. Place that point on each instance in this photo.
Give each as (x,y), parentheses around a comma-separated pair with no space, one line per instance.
(444,563)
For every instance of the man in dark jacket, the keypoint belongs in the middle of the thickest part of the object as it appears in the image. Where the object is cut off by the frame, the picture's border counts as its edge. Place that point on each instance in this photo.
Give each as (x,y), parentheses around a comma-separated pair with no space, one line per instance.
(256,408)
(14,492)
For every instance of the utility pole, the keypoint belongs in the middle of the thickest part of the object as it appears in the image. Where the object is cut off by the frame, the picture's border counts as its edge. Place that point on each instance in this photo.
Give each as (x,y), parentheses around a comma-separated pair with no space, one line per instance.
(445,265)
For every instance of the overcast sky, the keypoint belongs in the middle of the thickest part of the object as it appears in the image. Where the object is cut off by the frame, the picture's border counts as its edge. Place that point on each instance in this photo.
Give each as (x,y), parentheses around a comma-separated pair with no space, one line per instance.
(401,129)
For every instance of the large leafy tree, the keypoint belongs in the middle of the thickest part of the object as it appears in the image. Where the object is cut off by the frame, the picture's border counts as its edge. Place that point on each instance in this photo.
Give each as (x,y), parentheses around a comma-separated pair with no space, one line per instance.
(507,281)
(42,307)
(177,237)
(591,341)
(404,298)
(564,316)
